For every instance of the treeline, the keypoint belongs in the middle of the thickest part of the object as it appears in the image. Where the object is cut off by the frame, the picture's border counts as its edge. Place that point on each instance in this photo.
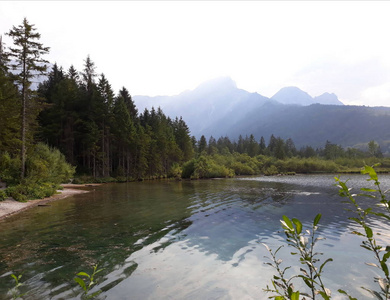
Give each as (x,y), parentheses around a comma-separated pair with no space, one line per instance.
(279,148)
(246,156)
(103,134)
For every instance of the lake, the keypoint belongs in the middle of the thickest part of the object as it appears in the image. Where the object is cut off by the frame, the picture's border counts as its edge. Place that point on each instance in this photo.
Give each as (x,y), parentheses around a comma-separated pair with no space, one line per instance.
(181,239)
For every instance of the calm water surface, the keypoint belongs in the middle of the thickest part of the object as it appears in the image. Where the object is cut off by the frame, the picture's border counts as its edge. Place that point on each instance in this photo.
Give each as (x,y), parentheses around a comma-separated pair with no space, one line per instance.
(180,240)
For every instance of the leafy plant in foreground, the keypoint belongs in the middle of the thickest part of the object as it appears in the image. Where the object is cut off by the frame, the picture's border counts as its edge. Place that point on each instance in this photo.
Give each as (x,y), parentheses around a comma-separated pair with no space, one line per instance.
(381,253)
(88,282)
(303,242)
(15,292)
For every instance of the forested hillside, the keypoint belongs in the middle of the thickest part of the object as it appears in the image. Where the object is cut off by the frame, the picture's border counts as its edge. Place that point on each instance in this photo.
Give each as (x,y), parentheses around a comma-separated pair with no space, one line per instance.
(102,133)
(218,108)
(74,121)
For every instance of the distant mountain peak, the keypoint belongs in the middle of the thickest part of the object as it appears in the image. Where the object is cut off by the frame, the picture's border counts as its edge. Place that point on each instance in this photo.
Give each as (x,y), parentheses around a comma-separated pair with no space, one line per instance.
(328,98)
(294,95)
(225,83)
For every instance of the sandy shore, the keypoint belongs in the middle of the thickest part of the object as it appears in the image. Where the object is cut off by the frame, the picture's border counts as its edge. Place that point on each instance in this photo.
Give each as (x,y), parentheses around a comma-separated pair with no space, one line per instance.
(10,207)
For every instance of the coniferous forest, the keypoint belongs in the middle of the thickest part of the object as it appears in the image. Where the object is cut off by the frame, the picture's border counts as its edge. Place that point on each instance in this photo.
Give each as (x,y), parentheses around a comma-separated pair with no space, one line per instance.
(57,125)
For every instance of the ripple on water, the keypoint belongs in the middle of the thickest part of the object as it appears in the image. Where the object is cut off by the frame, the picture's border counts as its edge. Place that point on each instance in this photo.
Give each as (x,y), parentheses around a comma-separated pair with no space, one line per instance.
(181,240)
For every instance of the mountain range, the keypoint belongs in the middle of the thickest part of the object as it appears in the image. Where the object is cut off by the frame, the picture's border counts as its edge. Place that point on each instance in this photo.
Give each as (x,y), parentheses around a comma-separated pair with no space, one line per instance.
(219,108)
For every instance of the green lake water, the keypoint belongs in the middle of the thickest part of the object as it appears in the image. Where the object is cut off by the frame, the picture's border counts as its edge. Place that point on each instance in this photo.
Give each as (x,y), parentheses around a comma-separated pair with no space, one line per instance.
(180,240)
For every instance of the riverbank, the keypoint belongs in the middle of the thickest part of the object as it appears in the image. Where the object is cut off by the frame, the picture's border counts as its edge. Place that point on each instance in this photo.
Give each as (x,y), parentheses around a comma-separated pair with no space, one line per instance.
(11,207)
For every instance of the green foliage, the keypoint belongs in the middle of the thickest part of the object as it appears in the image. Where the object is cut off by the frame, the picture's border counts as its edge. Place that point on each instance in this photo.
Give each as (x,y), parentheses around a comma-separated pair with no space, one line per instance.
(369,242)
(9,168)
(188,168)
(87,281)
(206,167)
(303,242)
(15,291)
(46,169)
(27,63)
(270,171)
(3,195)
(17,192)
(29,191)
(306,165)
(47,164)
(175,172)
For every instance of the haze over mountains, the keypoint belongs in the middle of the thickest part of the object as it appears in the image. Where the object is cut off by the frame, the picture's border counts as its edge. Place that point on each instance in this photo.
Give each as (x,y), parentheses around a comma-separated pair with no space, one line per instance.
(218,108)
(294,95)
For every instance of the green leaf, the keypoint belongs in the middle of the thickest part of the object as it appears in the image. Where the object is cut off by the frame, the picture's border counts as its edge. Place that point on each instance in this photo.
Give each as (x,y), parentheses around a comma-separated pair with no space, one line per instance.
(345,293)
(385,268)
(81,283)
(288,222)
(356,220)
(295,295)
(308,281)
(367,196)
(325,262)
(386,256)
(324,295)
(368,190)
(371,172)
(316,219)
(381,215)
(298,225)
(368,231)
(83,274)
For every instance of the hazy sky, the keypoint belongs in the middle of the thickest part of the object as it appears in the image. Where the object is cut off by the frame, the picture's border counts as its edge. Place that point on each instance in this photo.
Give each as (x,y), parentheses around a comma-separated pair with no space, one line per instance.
(164,48)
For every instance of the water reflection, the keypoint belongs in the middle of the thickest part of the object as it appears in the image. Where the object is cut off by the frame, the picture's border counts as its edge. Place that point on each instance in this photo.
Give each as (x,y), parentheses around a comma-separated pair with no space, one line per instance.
(190,239)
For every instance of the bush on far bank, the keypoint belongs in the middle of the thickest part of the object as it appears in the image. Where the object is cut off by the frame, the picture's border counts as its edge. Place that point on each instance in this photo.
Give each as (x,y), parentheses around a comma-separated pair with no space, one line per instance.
(46,169)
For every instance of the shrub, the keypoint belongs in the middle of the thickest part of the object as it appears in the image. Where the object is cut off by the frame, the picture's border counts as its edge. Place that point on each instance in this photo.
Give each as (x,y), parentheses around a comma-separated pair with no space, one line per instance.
(9,169)
(3,195)
(47,164)
(242,169)
(188,169)
(22,192)
(17,192)
(175,171)
(272,170)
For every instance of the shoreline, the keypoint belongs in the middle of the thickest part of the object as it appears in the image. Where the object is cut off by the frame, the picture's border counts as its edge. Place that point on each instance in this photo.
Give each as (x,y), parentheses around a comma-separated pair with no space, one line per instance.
(10,207)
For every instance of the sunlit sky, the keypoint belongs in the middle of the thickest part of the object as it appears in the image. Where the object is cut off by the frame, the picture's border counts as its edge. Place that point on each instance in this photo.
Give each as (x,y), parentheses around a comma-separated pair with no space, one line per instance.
(163,48)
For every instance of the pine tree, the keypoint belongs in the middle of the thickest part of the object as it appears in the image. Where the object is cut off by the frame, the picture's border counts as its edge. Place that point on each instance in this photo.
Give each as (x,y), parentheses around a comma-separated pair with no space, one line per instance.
(9,108)
(262,146)
(291,150)
(129,103)
(202,144)
(27,64)
(183,138)
(253,147)
(124,135)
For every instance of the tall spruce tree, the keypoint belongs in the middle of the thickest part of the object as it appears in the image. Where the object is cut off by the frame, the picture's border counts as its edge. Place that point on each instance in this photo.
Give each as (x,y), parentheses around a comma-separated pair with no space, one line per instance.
(9,108)
(27,64)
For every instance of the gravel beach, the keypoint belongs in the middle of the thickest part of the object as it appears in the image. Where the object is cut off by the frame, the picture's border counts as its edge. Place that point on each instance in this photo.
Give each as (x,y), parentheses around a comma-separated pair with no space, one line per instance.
(10,207)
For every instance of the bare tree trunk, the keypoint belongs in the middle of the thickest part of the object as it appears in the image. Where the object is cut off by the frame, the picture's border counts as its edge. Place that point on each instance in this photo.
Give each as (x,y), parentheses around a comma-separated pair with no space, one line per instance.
(23,150)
